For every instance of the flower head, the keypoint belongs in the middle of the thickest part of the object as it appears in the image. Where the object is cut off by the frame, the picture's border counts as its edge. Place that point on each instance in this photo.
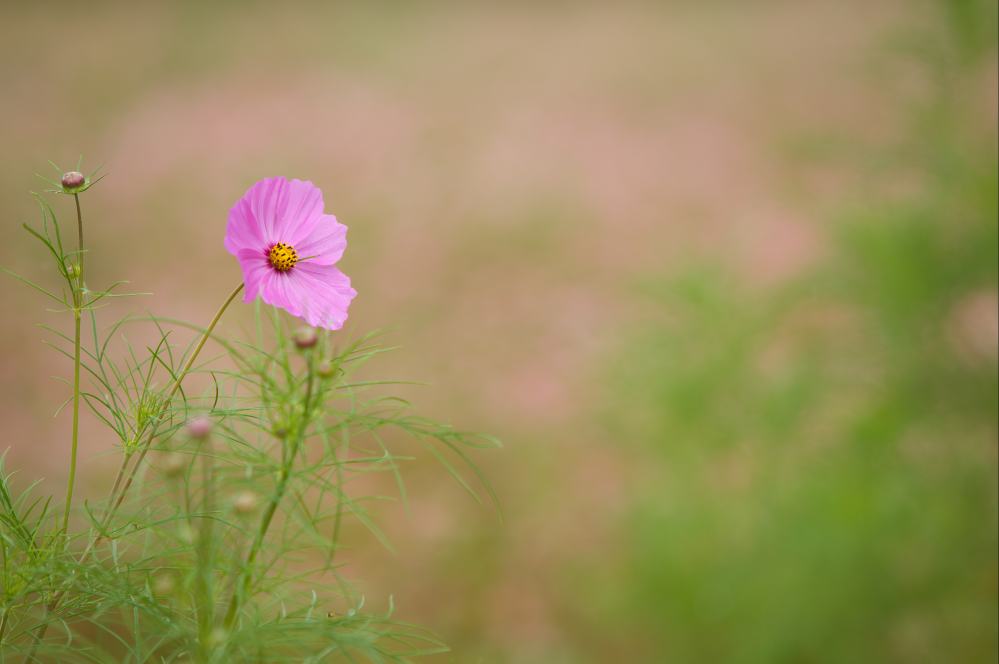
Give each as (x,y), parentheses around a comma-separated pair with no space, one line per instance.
(199,427)
(326,369)
(305,338)
(73,181)
(245,502)
(288,250)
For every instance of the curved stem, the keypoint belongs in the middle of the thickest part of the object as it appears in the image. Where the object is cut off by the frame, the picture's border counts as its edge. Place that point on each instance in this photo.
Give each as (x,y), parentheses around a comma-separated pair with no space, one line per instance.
(242,585)
(77,313)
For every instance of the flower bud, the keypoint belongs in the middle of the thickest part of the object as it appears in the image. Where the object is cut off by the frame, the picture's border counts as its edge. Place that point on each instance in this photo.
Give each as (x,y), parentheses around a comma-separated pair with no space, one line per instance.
(217,637)
(185,534)
(245,502)
(163,584)
(72,181)
(199,427)
(325,369)
(173,464)
(305,337)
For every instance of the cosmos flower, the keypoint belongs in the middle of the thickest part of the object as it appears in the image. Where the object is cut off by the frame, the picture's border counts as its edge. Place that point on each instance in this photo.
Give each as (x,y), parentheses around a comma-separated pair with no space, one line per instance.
(288,249)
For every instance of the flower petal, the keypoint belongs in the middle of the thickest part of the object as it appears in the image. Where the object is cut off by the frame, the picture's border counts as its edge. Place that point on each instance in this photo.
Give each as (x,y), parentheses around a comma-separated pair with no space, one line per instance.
(286,210)
(320,294)
(303,211)
(255,268)
(272,291)
(325,245)
(243,231)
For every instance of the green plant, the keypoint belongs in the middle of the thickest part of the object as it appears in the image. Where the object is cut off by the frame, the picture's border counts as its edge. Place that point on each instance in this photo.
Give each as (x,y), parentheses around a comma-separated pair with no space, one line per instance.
(219,536)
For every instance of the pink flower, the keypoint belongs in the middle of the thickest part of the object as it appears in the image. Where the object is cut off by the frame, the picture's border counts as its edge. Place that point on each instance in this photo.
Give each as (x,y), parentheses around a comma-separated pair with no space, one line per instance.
(288,250)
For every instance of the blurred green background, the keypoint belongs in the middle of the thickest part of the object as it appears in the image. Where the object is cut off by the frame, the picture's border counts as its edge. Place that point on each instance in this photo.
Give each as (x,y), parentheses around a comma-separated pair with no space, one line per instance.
(722,275)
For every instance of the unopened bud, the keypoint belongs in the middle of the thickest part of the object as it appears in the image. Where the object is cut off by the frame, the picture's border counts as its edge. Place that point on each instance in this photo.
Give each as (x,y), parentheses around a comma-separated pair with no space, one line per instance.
(199,427)
(326,369)
(185,534)
(173,465)
(163,584)
(72,181)
(217,637)
(245,502)
(305,337)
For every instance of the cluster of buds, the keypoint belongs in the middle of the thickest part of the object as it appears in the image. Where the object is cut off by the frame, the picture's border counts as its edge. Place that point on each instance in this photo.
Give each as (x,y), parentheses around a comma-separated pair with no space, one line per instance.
(306,338)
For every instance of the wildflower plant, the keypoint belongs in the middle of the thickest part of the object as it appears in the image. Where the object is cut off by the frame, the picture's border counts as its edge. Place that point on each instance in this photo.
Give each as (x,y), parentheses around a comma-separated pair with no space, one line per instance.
(219,536)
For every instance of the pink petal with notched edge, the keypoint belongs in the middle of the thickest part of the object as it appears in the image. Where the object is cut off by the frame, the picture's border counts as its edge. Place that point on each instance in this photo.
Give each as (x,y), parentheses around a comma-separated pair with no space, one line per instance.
(255,270)
(286,210)
(328,294)
(274,210)
(242,231)
(326,244)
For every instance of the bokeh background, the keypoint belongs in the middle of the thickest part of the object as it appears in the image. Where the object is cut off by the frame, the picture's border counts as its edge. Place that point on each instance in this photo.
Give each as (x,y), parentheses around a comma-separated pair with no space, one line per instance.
(722,275)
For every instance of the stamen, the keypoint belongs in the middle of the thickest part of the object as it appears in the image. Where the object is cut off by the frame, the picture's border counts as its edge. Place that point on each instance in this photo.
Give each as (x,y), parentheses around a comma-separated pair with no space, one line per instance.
(282,257)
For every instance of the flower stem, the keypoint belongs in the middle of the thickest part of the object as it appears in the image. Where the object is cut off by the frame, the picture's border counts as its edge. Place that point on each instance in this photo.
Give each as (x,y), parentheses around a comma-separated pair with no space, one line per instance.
(129,474)
(205,601)
(242,585)
(77,314)
(124,471)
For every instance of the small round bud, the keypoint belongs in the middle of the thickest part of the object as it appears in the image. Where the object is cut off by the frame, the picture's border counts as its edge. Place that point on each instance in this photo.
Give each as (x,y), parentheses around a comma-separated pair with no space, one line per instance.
(305,337)
(280,431)
(163,584)
(199,427)
(325,369)
(217,637)
(245,502)
(73,269)
(185,534)
(173,464)
(73,180)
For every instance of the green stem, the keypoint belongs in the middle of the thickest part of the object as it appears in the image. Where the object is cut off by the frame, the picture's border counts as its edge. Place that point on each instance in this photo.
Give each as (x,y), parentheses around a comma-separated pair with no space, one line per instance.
(71,482)
(243,584)
(79,228)
(77,313)
(130,474)
(205,601)
(3,626)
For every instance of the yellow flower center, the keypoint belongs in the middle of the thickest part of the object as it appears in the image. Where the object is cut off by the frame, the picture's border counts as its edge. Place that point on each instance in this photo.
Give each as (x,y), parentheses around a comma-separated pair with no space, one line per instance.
(282,257)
